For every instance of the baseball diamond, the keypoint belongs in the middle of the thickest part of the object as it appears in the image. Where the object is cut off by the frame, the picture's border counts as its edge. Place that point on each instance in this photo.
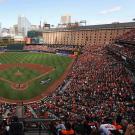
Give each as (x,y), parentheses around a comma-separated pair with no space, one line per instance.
(24,76)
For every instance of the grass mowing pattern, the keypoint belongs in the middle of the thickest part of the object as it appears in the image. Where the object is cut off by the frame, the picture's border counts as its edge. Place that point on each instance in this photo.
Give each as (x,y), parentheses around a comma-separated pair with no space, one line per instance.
(60,64)
(27,74)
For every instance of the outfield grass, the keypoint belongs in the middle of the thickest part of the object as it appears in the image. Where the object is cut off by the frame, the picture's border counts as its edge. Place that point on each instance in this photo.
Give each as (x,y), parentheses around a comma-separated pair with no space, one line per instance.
(60,64)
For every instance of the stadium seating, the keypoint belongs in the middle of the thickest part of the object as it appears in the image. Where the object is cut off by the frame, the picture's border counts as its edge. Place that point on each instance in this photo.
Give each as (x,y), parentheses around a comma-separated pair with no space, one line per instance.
(99,89)
(128,37)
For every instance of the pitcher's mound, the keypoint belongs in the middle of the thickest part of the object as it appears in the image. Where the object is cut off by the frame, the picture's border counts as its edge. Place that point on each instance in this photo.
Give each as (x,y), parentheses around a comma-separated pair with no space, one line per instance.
(18,73)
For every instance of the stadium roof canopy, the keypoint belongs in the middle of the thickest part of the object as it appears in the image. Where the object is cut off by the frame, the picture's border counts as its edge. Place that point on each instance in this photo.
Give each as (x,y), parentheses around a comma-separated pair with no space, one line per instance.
(93,27)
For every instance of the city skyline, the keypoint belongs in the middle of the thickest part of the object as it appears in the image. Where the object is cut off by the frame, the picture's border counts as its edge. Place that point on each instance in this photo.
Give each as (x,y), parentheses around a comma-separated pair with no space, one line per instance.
(94,12)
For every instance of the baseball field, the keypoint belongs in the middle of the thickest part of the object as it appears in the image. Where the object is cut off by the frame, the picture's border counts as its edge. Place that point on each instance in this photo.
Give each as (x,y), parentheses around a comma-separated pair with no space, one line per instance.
(24,76)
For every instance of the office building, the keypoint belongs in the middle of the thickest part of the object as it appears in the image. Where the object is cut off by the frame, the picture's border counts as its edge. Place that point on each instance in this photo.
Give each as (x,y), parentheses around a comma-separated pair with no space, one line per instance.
(23,25)
(65,19)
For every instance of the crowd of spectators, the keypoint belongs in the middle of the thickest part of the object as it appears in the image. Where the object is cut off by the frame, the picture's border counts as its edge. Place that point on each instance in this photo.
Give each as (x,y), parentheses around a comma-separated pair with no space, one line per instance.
(11,126)
(128,36)
(100,91)
(38,48)
(123,50)
(44,48)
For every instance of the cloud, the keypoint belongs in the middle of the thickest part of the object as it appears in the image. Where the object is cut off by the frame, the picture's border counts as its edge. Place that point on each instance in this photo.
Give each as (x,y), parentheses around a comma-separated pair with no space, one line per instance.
(111,10)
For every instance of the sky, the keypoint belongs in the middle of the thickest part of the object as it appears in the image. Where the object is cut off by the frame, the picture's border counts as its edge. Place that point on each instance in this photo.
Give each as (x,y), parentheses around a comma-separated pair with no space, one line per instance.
(50,11)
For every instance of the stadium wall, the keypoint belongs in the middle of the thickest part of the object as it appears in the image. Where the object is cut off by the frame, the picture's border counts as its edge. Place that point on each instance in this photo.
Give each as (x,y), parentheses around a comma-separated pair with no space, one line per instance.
(80,36)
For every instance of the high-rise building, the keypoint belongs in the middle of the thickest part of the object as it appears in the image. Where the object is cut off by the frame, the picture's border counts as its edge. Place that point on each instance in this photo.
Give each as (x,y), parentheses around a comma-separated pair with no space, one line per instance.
(66,19)
(23,25)
(15,29)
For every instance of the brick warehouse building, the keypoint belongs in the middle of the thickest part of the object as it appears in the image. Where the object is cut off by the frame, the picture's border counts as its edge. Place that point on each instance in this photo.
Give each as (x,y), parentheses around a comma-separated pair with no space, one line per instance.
(82,35)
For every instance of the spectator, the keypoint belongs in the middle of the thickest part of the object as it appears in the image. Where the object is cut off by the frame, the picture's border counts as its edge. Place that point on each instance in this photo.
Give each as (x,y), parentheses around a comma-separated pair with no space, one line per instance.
(68,130)
(130,130)
(60,126)
(16,127)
